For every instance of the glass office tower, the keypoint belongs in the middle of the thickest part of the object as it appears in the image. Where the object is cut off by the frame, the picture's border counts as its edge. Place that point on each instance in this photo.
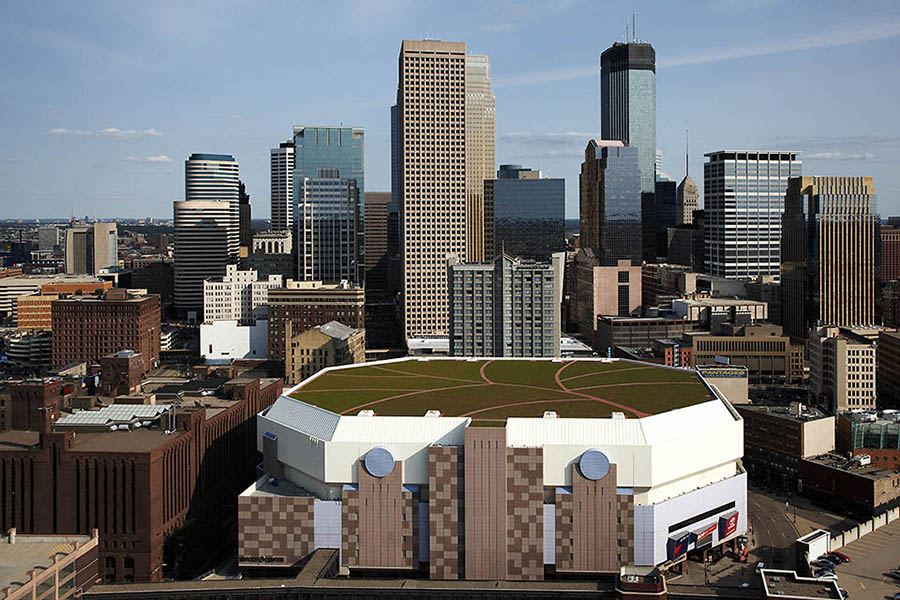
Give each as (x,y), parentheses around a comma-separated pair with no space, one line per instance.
(610,202)
(743,195)
(327,225)
(525,213)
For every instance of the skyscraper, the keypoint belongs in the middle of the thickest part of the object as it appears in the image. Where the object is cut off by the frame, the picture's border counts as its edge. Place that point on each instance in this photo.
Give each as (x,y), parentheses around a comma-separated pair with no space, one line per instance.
(743,203)
(90,248)
(282,186)
(829,266)
(431,123)
(505,307)
(327,224)
(628,113)
(525,213)
(341,148)
(376,240)
(206,236)
(610,208)
(245,236)
(687,200)
(479,150)
(212,177)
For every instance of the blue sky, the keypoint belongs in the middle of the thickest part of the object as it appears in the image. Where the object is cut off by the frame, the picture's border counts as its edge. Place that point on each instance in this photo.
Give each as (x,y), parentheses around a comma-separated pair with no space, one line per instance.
(103,101)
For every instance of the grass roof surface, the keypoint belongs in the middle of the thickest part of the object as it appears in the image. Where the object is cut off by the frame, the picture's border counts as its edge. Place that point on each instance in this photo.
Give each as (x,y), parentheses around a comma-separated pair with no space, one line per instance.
(490,391)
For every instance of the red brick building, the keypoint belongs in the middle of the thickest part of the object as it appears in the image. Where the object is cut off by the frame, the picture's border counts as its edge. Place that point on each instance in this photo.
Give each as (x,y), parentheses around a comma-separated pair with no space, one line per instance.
(890,253)
(310,303)
(88,327)
(137,484)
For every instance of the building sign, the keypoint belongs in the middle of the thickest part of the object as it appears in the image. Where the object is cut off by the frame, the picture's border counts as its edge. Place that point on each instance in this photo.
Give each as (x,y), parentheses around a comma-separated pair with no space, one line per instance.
(678,545)
(728,524)
(704,536)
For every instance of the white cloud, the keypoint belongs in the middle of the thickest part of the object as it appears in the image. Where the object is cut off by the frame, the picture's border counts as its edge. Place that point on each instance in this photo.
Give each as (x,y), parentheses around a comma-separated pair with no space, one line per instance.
(853,33)
(841,156)
(238,117)
(113,132)
(500,28)
(563,144)
(158,158)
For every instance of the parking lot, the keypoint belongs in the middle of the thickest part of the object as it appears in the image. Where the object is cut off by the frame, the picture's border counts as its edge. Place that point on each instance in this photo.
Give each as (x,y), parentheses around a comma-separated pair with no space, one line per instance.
(871,557)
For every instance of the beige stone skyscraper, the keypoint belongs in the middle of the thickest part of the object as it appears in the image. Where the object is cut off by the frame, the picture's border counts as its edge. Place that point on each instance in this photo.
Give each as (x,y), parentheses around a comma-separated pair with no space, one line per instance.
(480,144)
(828,253)
(687,200)
(431,144)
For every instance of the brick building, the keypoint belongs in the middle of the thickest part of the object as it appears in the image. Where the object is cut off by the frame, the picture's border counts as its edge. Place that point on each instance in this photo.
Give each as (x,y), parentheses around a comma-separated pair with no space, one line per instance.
(310,303)
(329,345)
(88,327)
(34,310)
(890,253)
(857,485)
(136,484)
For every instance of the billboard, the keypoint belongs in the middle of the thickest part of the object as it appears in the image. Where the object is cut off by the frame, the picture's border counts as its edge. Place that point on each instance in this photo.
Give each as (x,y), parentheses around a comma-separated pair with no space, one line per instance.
(728,524)
(678,545)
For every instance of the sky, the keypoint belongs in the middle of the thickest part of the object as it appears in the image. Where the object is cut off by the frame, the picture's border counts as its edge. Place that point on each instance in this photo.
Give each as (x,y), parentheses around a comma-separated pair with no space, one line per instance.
(103,101)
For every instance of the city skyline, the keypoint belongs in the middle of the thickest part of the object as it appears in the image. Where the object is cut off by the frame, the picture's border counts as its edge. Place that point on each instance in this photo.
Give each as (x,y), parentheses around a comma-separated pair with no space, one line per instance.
(114,123)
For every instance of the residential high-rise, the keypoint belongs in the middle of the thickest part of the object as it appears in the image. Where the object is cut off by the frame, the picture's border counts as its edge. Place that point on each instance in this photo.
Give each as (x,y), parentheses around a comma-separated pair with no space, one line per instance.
(506,307)
(743,203)
(525,214)
(238,296)
(628,114)
(610,202)
(431,124)
(479,151)
(376,240)
(829,267)
(327,223)
(90,248)
(206,241)
(281,161)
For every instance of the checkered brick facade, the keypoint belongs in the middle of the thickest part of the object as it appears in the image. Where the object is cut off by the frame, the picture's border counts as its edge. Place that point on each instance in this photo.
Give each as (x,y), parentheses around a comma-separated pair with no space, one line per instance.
(564,531)
(625,529)
(279,529)
(524,514)
(445,499)
(350,527)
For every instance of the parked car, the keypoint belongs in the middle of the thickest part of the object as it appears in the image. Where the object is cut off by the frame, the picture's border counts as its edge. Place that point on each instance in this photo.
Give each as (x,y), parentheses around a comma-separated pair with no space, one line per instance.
(840,556)
(822,563)
(828,576)
(895,573)
(844,592)
(760,566)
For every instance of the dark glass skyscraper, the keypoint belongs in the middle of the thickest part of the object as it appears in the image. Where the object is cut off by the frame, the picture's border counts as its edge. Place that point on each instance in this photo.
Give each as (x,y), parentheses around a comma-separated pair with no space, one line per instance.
(327,224)
(610,185)
(525,214)
(628,114)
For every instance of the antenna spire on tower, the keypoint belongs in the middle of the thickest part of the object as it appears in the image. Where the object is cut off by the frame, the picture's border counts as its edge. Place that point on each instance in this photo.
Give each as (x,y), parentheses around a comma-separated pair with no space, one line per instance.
(686,155)
(633,32)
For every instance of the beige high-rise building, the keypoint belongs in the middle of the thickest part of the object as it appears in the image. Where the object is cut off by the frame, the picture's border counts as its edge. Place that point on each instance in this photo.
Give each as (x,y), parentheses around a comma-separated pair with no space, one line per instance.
(480,149)
(842,370)
(687,200)
(828,253)
(431,128)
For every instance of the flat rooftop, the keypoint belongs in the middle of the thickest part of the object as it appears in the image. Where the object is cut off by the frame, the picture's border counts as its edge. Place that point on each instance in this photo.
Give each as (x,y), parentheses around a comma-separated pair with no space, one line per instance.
(871,471)
(492,390)
(809,413)
(787,584)
(32,551)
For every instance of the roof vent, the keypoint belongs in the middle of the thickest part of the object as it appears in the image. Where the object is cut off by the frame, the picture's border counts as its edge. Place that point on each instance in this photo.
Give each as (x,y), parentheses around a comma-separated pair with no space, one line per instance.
(366,413)
(618,416)
(550,414)
(433,414)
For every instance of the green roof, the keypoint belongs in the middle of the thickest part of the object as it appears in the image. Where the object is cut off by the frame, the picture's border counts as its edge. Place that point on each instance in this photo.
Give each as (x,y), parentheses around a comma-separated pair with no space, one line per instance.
(489,391)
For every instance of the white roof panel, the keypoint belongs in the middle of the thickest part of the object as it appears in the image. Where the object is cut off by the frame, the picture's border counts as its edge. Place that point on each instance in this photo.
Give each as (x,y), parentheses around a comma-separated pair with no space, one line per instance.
(535,432)
(386,430)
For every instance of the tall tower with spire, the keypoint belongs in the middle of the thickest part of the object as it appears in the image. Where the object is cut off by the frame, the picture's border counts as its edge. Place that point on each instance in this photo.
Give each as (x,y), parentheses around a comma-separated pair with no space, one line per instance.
(687,196)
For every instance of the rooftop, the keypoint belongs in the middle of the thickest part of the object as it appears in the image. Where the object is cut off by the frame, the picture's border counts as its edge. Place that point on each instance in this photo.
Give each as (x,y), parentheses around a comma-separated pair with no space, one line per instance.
(491,390)
(802,415)
(787,584)
(30,552)
(854,465)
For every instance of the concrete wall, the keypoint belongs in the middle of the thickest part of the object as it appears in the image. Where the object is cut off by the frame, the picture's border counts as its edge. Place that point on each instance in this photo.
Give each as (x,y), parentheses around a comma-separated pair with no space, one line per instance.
(854,533)
(223,341)
(818,437)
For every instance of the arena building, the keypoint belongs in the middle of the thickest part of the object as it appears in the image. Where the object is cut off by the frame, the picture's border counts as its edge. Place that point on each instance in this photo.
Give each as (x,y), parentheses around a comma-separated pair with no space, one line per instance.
(495,469)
